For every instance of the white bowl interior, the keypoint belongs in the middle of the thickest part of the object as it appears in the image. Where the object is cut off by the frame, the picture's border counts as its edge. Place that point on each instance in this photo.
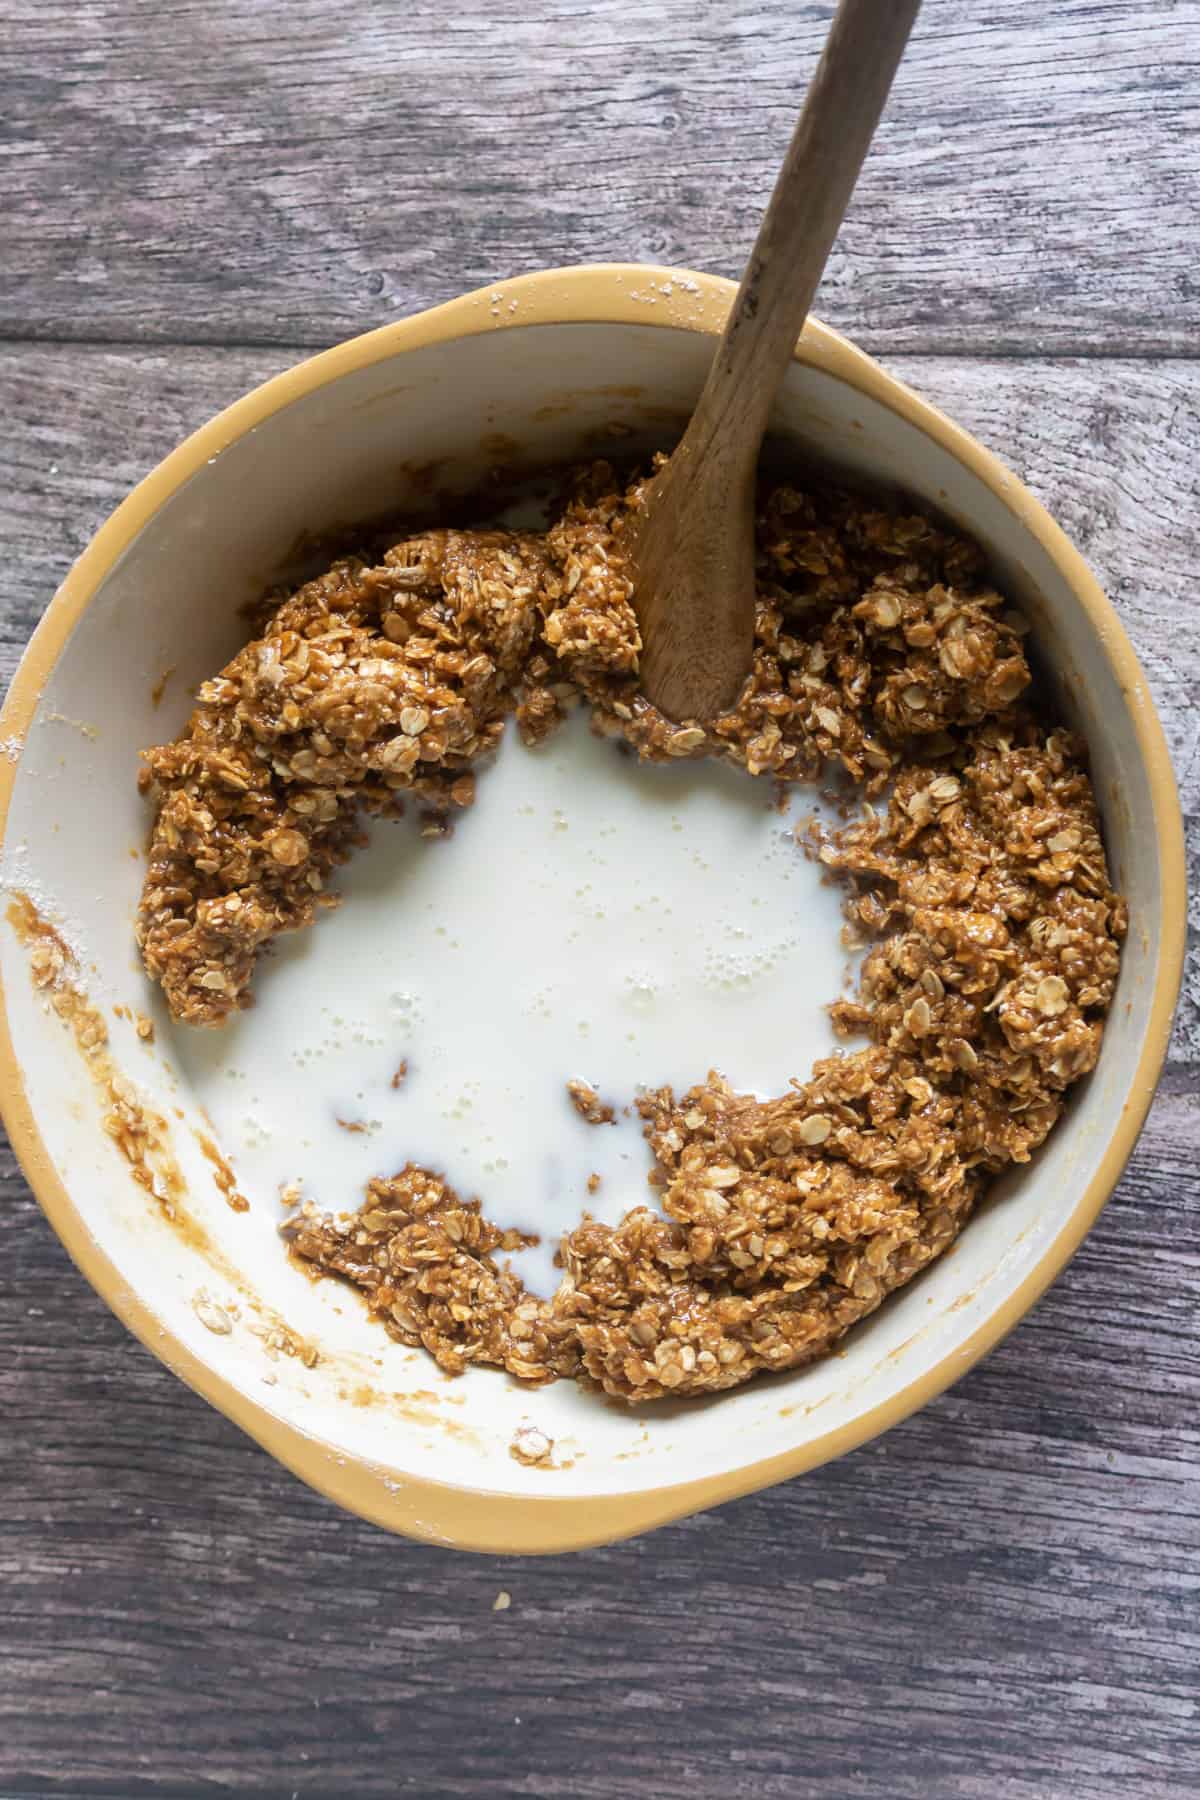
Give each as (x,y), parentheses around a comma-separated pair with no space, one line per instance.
(350,450)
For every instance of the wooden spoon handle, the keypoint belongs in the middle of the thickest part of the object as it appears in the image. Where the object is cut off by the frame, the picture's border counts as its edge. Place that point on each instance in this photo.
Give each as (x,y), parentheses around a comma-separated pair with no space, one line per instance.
(831,139)
(692,544)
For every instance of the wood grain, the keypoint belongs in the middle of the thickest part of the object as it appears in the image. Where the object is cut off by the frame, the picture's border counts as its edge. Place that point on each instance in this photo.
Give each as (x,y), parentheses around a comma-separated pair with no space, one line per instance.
(206,171)
(998,1600)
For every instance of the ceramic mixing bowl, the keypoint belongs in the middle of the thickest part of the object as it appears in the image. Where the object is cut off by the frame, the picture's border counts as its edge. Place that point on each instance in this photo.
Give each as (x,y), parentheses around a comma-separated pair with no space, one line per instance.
(533,371)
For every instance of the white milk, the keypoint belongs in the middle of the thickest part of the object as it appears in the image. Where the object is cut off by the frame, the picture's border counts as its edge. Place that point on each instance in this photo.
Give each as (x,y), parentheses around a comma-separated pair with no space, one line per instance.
(590,917)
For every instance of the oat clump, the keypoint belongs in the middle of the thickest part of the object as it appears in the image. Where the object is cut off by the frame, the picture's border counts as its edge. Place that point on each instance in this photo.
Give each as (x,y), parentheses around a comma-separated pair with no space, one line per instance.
(588,1104)
(980,885)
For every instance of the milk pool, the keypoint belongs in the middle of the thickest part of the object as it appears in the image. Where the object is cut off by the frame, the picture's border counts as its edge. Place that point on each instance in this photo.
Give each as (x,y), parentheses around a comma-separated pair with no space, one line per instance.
(590,917)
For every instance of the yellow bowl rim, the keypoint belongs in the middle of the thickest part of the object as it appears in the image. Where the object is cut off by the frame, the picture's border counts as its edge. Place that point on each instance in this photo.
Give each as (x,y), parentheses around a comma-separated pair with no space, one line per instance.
(477,1519)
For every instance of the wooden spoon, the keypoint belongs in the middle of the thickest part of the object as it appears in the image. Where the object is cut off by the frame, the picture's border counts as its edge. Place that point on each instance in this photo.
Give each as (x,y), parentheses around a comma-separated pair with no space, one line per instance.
(693,544)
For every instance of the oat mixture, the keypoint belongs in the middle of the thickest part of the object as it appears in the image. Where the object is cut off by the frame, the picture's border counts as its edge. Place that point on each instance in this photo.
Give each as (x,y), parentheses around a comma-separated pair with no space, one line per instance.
(979,885)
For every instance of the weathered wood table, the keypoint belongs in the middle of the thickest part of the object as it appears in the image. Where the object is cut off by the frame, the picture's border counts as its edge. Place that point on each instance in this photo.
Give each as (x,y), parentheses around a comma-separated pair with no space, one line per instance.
(998,1600)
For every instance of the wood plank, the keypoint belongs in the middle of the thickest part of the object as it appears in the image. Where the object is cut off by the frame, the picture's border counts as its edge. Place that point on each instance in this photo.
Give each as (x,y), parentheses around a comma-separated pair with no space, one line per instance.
(295,174)
(1111,447)
(995,1602)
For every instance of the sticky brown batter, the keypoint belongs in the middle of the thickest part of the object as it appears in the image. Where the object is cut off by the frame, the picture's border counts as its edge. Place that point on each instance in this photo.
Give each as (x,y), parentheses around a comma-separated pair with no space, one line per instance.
(979,884)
